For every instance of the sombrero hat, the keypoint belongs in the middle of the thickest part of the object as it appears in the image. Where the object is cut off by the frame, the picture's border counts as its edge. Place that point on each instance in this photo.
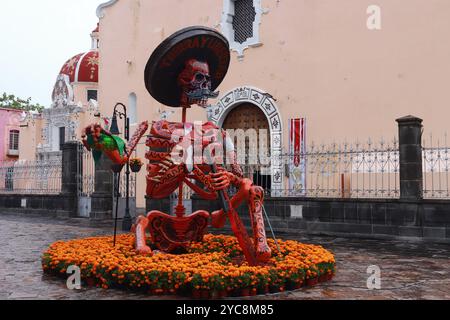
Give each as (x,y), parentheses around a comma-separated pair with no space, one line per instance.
(169,59)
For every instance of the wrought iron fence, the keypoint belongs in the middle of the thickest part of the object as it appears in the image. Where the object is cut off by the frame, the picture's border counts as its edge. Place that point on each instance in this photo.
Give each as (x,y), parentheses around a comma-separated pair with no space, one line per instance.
(187,193)
(132,184)
(436,168)
(86,176)
(31,177)
(359,170)
(85,172)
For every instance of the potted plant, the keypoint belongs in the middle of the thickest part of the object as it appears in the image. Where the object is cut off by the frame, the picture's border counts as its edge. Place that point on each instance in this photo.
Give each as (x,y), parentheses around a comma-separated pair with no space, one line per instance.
(262,284)
(326,272)
(116,168)
(296,280)
(206,294)
(312,277)
(245,282)
(219,286)
(136,165)
(275,282)
(197,283)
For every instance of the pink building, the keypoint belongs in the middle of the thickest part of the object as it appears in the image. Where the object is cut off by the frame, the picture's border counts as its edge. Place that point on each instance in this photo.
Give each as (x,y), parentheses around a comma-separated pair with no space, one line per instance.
(9,134)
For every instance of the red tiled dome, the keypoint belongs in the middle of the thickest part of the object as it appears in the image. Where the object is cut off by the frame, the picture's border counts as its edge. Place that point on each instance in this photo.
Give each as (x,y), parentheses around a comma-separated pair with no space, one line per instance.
(82,68)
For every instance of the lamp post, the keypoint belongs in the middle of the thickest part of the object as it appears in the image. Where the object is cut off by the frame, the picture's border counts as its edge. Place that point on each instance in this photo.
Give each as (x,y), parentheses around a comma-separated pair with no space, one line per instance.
(127,222)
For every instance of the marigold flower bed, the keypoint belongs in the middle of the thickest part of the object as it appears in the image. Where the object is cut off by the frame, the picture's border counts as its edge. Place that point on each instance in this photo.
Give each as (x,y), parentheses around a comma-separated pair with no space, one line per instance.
(211,269)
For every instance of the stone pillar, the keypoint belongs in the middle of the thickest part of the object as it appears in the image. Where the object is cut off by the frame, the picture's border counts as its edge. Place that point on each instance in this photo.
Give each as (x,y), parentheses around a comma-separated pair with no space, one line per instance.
(410,146)
(70,160)
(102,198)
(69,177)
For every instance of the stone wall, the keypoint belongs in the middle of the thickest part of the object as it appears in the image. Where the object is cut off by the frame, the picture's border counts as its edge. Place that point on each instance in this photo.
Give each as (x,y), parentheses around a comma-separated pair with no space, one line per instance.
(427,219)
(59,205)
(409,216)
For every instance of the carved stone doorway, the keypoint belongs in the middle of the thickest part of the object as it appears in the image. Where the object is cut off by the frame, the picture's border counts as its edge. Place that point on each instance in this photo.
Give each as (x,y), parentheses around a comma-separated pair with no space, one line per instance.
(254,123)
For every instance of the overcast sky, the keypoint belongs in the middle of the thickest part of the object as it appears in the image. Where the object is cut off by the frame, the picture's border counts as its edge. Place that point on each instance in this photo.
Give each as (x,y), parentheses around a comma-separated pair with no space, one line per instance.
(36,38)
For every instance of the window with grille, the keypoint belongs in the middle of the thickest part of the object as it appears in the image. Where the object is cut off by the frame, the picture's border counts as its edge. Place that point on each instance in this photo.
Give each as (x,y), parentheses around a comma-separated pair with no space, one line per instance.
(91,95)
(240,23)
(62,137)
(9,179)
(244,17)
(14,140)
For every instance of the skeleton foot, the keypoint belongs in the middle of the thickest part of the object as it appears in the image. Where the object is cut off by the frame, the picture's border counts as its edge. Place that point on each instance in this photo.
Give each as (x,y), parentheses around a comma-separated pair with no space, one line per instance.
(263,253)
(144,250)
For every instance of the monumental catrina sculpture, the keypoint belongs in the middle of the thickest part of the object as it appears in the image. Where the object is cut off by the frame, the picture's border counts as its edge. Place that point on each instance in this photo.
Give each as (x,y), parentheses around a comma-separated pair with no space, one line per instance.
(183,71)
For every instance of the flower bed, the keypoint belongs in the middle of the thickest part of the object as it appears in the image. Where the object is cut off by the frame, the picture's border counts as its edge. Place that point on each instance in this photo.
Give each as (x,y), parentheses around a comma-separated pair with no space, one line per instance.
(211,269)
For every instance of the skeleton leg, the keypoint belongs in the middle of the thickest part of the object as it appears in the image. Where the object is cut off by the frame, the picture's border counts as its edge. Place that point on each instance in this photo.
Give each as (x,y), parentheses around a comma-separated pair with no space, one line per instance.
(218,219)
(254,196)
(139,229)
(255,205)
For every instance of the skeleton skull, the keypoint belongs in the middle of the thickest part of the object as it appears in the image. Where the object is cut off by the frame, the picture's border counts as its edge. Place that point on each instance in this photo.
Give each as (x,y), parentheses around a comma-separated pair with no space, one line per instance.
(195,82)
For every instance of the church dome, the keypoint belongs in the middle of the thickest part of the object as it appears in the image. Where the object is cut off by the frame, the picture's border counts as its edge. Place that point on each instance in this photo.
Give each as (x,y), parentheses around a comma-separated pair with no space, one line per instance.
(82,67)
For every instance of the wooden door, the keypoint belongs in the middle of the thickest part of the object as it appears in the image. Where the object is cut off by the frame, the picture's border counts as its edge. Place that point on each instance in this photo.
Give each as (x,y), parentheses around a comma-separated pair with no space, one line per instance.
(248,116)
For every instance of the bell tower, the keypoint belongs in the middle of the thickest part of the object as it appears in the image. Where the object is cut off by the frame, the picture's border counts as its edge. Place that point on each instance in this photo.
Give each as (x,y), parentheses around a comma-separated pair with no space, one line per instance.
(95,36)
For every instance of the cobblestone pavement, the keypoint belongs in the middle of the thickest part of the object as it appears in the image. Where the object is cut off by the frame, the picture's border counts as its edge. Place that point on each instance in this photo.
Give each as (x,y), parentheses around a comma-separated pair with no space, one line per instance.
(410,270)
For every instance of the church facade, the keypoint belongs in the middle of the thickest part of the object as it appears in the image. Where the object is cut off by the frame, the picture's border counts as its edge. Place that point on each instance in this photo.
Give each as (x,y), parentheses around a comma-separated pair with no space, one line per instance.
(74,106)
(317,62)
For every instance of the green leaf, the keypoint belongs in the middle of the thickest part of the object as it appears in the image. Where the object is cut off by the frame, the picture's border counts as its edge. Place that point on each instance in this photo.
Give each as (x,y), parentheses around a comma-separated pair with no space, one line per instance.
(13,102)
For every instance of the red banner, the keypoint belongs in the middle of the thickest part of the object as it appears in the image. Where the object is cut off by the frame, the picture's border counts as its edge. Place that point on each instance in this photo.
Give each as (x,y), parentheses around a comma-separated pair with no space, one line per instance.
(297,149)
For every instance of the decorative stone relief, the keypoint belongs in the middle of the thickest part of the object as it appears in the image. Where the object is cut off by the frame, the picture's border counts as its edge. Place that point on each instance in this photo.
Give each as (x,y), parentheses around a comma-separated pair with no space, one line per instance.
(62,94)
(218,113)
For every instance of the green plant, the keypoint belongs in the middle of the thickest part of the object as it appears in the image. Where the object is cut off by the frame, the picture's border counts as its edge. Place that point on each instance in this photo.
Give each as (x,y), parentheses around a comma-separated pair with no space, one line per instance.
(218,283)
(136,162)
(245,280)
(12,102)
(197,282)
(298,276)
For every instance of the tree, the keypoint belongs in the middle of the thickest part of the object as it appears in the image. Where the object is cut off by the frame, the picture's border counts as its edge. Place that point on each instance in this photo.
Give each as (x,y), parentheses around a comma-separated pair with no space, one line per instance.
(12,102)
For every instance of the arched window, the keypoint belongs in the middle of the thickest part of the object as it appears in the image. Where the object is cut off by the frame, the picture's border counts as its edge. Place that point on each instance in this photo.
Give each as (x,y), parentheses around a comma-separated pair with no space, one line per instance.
(132,108)
(240,23)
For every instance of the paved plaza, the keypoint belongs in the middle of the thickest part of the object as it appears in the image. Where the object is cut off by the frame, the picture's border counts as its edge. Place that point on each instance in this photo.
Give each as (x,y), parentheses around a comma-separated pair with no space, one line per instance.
(409,270)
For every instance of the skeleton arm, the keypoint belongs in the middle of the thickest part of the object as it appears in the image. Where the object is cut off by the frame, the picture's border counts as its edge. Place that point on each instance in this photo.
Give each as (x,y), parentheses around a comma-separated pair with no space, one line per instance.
(230,150)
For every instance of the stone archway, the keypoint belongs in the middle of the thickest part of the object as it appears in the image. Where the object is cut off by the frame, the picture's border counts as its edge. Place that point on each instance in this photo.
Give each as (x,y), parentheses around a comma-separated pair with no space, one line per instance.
(219,112)
(247,116)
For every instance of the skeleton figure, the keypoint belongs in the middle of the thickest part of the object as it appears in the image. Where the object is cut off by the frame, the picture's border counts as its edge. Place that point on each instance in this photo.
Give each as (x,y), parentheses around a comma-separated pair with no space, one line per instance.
(168,141)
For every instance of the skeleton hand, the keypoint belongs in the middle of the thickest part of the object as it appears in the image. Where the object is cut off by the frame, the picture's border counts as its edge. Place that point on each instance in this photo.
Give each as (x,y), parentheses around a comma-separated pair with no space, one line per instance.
(237,170)
(220,180)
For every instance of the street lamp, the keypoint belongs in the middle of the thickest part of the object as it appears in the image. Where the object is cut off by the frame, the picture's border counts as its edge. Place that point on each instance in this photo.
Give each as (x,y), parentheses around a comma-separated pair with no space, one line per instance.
(127,222)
